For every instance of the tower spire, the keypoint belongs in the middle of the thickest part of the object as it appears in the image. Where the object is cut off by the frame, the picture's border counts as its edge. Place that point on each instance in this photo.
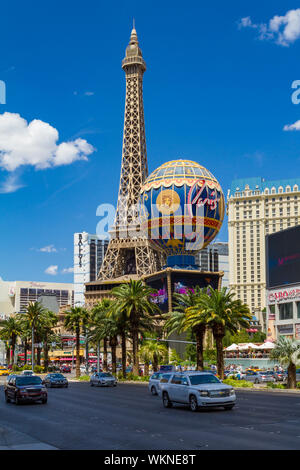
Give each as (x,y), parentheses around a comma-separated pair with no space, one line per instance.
(129,254)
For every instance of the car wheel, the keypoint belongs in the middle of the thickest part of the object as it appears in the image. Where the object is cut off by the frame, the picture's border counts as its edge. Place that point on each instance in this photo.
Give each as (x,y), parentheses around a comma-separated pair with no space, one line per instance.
(91,384)
(166,401)
(17,400)
(66,386)
(256,381)
(228,407)
(193,403)
(115,385)
(44,401)
(153,391)
(7,400)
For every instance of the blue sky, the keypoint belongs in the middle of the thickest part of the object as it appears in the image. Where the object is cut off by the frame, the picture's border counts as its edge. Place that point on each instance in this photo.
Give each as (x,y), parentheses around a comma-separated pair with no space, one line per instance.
(215,91)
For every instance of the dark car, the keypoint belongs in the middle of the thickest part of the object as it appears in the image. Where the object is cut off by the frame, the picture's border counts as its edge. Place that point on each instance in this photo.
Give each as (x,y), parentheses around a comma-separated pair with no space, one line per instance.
(25,388)
(65,369)
(55,380)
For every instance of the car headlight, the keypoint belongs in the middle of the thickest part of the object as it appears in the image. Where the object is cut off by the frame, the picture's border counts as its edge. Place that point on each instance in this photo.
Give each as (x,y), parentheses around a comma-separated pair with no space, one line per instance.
(203,393)
(232,391)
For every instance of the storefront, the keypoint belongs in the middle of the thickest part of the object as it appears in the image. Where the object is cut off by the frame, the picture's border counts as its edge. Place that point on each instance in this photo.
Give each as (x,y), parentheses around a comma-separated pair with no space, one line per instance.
(283,312)
(65,356)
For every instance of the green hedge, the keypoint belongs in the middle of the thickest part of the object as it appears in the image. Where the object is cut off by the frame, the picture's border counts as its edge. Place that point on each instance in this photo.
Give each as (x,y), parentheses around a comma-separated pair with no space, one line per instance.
(238,383)
(84,378)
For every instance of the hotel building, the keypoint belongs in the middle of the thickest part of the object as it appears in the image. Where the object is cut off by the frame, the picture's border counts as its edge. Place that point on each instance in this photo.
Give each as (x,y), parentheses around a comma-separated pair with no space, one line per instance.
(257,207)
(89,253)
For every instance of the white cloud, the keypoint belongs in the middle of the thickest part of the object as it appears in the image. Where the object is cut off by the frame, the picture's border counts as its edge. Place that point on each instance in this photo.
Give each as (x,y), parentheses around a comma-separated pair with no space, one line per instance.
(11,184)
(89,93)
(52,270)
(292,127)
(283,30)
(35,144)
(67,270)
(48,249)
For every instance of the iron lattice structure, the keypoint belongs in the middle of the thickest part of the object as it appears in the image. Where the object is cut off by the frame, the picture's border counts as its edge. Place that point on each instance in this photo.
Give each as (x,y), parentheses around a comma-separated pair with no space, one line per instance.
(130,253)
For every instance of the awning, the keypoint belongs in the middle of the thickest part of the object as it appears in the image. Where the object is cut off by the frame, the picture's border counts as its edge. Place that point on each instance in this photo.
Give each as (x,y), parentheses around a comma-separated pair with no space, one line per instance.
(232,347)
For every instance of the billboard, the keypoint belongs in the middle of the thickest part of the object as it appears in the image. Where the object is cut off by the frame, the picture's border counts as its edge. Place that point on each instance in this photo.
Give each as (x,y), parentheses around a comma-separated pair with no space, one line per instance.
(283,257)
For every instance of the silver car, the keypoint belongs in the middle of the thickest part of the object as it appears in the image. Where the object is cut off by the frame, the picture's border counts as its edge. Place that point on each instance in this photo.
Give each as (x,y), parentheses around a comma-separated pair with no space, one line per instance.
(103,379)
(197,389)
(260,377)
(154,382)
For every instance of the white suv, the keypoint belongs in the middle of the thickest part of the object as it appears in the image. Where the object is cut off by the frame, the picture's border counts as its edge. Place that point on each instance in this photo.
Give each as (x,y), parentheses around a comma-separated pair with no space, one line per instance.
(197,389)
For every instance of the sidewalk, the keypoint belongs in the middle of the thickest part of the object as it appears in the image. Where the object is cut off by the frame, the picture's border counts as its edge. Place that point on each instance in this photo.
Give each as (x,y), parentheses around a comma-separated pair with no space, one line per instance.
(15,440)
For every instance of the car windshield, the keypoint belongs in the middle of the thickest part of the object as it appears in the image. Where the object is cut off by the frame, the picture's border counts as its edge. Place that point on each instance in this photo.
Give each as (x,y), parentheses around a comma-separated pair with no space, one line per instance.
(28,380)
(56,376)
(203,379)
(268,372)
(105,374)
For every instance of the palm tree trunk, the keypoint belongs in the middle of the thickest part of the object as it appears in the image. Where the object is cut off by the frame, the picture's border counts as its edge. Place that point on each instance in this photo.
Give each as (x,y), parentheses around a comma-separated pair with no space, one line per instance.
(38,357)
(291,380)
(146,368)
(7,353)
(113,345)
(135,350)
(220,354)
(13,346)
(46,357)
(200,332)
(123,341)
(105,354)
(77,352)
(155,363)
(25,351)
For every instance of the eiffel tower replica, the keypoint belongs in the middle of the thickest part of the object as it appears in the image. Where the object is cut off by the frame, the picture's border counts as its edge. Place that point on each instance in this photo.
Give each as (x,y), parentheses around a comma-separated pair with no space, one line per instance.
(130,254)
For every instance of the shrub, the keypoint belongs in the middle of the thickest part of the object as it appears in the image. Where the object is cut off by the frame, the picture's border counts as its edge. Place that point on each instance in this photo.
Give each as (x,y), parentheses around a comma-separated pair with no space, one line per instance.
(26,367)
(38,369)
(272,385)
(84,378)
(16,368)
(298,384)
(238,383)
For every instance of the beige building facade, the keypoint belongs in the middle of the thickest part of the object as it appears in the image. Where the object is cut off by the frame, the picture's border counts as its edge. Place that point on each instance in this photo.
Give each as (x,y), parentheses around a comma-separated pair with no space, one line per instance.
(16,295)
(255,208)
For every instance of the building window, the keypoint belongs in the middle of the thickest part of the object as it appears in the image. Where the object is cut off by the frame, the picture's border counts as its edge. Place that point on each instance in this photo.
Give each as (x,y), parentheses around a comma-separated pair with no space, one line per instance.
(286,311)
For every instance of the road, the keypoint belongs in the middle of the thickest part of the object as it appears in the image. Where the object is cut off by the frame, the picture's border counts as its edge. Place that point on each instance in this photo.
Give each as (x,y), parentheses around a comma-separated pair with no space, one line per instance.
(128,417)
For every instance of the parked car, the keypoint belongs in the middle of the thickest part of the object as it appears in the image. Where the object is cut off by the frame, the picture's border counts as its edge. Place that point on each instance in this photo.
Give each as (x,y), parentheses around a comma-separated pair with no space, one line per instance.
(298,375)
(280,376)
(267,376)
(154,381)
(4,371)
(25,388)
(197,389)
(55,380)
(260,377)
(65,369)
(27,372)
(105,379)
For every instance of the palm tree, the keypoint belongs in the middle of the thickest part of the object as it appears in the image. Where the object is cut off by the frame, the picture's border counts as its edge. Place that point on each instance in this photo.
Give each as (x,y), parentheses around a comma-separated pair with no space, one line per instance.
(98,317)
(33,316)
(48,322)
(220,312)
(133,300)
(182,320)
(287,352)
(75,319)
(10,331)
(153,351)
